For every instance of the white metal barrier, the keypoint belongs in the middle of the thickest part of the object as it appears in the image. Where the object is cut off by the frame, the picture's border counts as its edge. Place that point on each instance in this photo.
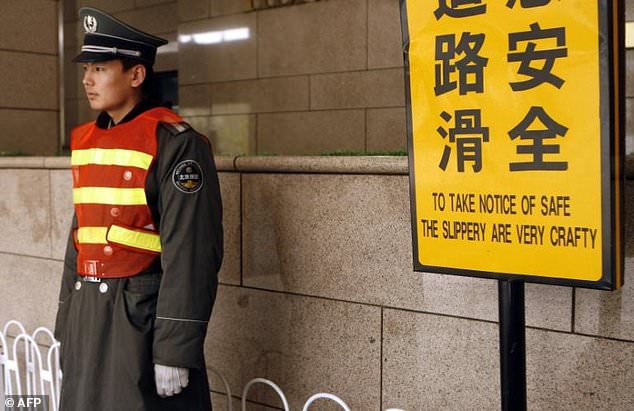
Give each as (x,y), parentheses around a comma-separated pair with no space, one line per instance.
(43,376)
(23,368)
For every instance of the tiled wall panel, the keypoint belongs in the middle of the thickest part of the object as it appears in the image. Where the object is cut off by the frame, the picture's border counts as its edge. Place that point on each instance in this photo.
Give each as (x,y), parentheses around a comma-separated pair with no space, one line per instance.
(311,132)
(32,132)
(384,34)
(378,88)
(28,26)
(30,290)
(28,81)
(24,212)
(218,61)
(348,237)
(296,40)
(305,345)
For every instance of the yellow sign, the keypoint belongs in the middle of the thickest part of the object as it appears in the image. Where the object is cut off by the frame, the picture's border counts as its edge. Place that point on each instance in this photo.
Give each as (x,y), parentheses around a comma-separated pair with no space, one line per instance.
(515,150)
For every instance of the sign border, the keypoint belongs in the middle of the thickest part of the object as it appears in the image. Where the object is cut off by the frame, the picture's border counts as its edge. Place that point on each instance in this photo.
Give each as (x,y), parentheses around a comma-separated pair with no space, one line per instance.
(612,106)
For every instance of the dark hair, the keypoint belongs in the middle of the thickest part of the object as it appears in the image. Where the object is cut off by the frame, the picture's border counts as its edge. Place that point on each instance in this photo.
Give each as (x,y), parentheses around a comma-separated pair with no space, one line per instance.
(149,89)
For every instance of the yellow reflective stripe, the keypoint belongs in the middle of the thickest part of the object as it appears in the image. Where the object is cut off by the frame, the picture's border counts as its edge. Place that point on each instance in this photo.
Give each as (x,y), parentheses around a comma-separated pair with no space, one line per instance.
(92,235)
(111,157)
(109,195)
(132,238)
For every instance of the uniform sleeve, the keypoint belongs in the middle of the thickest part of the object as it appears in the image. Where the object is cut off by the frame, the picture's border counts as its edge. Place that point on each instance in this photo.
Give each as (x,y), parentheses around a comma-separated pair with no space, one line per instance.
(190,227)
(69,275)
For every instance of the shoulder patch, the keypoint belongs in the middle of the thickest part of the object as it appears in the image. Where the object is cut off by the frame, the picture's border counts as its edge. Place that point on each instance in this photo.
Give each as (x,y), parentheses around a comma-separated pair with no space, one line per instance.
(188,176)
(177,128)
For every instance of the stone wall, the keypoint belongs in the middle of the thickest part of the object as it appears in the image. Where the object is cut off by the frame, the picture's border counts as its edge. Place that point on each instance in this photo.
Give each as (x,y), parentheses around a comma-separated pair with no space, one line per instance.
(312,76)
(29,106)
(318,294)
(304,78)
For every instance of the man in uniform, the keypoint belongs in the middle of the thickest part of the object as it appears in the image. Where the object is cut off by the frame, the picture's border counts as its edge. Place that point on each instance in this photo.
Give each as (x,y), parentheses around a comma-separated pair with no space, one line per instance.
(140,273)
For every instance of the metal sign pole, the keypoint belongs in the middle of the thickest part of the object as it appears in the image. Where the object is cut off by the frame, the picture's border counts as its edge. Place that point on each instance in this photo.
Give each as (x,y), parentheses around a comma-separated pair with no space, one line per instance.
(512,345)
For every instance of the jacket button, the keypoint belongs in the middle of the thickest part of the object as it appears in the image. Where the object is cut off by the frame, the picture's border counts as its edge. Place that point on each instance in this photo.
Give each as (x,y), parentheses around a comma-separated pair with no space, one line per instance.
(103,288)
(77,285)
(107,250)
(127,175)
(115,211)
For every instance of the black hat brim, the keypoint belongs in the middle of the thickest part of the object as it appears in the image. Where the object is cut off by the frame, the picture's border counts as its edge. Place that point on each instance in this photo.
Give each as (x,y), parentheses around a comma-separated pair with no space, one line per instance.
(88,57)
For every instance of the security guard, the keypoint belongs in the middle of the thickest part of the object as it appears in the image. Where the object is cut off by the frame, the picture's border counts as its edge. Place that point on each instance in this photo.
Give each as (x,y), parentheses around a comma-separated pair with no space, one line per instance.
(140,273)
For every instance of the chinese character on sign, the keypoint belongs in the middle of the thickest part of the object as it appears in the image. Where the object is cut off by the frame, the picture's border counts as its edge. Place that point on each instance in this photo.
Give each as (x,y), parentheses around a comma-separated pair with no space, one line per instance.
(468,134)
(456,9)
(529,129)
(542,74)
(526,4)
(470,67)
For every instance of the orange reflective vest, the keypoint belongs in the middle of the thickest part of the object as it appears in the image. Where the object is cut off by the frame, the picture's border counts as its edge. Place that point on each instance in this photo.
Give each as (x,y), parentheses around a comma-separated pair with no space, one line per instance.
(116,234)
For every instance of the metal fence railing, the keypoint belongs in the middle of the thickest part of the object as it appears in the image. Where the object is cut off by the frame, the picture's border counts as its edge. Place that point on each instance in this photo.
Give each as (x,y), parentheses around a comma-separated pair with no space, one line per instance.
(30,365)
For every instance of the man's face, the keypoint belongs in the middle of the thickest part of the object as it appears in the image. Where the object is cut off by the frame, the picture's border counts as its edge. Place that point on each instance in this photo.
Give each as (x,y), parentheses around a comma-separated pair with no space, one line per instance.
(108,87)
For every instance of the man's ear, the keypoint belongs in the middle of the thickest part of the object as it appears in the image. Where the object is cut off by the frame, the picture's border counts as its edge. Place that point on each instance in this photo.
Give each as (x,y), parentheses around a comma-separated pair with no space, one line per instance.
(138,75)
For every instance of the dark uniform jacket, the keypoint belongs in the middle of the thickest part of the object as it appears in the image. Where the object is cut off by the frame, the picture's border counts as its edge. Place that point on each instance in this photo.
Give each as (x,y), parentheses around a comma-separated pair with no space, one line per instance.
(113,334)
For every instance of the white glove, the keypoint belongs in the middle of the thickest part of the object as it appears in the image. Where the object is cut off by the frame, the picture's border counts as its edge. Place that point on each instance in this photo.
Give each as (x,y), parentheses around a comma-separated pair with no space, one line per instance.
(170,380)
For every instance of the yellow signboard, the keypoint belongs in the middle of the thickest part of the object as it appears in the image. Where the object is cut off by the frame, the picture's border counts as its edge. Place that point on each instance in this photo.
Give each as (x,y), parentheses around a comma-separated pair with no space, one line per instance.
(515,138)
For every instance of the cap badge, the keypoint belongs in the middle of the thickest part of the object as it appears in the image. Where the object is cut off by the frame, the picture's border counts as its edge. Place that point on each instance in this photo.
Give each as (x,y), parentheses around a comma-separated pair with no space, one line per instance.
(90,24)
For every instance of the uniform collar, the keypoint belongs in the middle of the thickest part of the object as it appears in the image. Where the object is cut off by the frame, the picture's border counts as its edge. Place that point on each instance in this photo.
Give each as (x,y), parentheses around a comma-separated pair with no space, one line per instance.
(105,121)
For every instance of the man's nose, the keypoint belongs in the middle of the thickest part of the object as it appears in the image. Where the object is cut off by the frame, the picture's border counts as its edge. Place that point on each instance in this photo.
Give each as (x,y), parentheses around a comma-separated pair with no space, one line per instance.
(87,79)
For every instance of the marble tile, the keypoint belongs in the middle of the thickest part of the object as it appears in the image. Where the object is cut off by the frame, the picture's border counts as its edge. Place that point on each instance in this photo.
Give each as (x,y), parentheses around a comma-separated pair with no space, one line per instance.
(40,126)
(28,81)
(376,88)
(439,363)
(219,402)
(72,35)
(572,372)
(629,218)
(193,10)
(629,123)
(313,132)
(433,362)
(30,290)
(24,212)
(167,57)
(325,235)
(110,6)
(386,129)
(18,20)
(295,40)
(629,72)
(323,164)
(200,124)
(210,55)
(61,183)
(549,306)
(607,313)
(258,96)
(73,75)
(224,7)
(384,34)
(233,135)
(194,100)
(230,193)
(159,19)
(147,3)
(304,345)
